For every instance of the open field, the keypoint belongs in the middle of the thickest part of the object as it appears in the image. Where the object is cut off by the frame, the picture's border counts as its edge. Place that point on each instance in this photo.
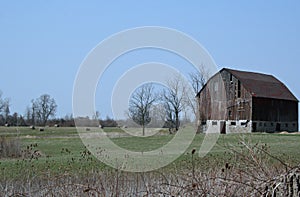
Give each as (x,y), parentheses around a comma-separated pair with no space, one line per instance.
(57,154)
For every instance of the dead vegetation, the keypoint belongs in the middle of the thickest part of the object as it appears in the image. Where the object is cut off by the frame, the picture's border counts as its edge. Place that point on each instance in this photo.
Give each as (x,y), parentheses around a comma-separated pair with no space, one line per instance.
(10,147)
(249,170)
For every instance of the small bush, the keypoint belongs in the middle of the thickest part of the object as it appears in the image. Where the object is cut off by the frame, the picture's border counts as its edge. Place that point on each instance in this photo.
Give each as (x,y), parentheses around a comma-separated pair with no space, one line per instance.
(10,147)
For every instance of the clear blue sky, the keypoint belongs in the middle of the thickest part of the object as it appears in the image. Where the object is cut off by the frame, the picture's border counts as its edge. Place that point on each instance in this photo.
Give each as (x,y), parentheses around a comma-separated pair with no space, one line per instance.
(42,43)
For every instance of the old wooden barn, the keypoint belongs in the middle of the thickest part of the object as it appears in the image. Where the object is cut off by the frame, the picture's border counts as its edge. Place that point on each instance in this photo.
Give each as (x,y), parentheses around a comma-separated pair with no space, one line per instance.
(235,101)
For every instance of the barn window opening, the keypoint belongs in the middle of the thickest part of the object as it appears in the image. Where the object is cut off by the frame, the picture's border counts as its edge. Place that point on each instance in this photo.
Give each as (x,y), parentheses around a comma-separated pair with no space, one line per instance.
(239,89)
(203,122)
(272,124)
(214,123)
(231,78)
(286,125)
(230,113)
(233,123)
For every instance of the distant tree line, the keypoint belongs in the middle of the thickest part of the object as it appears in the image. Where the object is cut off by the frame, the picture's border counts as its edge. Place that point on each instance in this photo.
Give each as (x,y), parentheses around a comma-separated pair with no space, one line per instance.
(38,113)
(147,108)
(41,112)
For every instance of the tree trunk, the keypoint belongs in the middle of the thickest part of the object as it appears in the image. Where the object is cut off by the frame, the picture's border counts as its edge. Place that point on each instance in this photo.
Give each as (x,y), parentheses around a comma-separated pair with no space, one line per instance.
(176,121)
(143,130)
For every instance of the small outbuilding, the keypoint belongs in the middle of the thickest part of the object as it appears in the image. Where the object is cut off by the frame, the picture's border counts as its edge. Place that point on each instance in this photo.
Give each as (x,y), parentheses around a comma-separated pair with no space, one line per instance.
(234,101)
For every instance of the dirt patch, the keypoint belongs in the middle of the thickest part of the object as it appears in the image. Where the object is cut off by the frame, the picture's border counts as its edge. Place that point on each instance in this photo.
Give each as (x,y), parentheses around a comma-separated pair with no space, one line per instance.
(29,136)
(285,132)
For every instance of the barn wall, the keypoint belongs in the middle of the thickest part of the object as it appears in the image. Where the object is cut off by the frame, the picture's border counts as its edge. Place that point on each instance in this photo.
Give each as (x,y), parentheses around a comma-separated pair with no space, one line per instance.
(211,126)
(204,104)
(212,100)
(271,115)
(216,126)
(274,110)
(224,99)
(275,126)
(239,100)
(240,126)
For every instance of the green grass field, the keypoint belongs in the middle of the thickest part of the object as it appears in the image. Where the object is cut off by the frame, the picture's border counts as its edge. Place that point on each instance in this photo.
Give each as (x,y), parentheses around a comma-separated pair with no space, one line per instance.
(55,162)
(62,150)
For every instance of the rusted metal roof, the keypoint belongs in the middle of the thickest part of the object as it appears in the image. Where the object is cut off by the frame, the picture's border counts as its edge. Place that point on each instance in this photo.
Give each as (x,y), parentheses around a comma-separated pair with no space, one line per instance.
(262,85)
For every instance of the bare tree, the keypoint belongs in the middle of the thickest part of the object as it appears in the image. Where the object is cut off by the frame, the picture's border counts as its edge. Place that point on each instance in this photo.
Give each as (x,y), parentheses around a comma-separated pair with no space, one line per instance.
(197,80)
(44,107)
(3,103)
(30,113)
(181,97)
(174,97)
(4,107)
(169,117)
(6,111)
(140,104)
(96,116)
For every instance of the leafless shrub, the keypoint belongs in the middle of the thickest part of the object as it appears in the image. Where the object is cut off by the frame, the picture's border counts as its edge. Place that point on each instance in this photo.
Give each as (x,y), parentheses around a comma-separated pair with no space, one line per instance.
(31,152)
(9,147)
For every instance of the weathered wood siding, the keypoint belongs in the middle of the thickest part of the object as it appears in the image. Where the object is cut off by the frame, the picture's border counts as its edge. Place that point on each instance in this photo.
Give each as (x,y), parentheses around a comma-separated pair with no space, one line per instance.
(212,100)
(266,109)
(231,100)
(239,100)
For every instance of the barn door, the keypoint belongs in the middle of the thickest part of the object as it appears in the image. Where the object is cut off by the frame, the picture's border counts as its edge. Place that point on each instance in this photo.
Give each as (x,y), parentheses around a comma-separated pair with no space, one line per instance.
(278,127)
(254,124)
(223,127)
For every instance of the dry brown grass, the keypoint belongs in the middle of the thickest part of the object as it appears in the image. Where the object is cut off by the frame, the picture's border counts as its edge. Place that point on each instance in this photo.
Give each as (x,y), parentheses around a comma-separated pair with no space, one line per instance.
(10,147)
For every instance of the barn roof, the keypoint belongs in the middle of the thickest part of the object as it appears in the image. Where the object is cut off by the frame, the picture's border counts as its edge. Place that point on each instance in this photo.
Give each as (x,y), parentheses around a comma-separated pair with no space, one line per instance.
(262,85)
